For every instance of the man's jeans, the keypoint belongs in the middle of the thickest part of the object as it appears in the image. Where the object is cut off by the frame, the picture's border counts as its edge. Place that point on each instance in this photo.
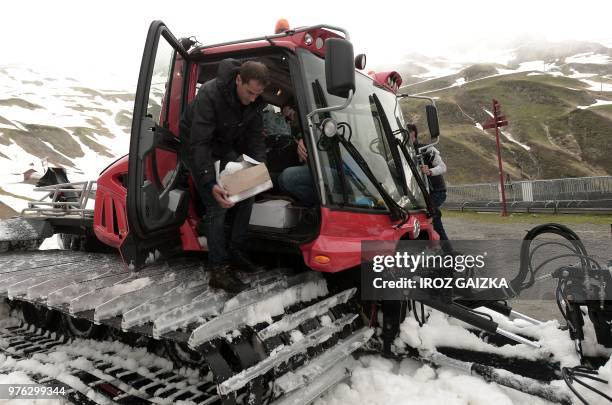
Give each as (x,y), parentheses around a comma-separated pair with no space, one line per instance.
(438,198)
(297,182)
(214,222)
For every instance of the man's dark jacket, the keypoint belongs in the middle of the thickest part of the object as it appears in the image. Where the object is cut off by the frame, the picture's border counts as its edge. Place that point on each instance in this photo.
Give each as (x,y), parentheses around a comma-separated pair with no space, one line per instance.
(216,126)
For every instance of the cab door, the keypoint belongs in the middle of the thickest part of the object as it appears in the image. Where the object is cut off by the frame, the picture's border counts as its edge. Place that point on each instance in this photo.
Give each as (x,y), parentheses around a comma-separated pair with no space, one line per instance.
(157,199)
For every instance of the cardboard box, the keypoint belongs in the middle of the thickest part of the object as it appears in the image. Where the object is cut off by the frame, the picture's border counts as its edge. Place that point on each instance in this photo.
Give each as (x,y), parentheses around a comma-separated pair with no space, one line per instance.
(243,179)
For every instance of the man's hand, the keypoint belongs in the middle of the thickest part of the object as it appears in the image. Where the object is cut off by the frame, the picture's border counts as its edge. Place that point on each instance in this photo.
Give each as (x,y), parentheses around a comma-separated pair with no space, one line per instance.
(301,150)
(425,169)
(220,194)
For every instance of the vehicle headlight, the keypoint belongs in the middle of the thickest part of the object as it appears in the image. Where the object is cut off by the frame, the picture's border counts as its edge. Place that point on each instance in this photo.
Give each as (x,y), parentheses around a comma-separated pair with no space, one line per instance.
(329,127)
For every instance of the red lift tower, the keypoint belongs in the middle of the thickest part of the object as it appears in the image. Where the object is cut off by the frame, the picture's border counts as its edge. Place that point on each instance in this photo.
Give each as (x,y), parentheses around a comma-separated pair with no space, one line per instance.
(497,121)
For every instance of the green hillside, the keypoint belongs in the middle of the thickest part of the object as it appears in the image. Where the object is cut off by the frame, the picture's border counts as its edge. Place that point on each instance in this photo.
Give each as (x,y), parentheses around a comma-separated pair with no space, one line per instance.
(564,141)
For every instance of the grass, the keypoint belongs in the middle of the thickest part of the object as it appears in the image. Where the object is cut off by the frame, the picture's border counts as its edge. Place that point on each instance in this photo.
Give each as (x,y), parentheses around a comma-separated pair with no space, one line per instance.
(534,219)
(19,103)
(565,141)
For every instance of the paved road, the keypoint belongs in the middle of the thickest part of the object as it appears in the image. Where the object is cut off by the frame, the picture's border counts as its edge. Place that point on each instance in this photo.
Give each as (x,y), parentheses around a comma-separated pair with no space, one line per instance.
(541,303)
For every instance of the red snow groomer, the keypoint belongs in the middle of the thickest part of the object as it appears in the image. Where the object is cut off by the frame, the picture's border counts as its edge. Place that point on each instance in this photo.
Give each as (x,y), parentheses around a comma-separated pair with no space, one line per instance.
(290,336)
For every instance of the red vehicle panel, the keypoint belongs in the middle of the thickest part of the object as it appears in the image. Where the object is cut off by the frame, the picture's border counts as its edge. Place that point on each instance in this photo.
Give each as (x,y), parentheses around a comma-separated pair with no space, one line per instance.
(342,233)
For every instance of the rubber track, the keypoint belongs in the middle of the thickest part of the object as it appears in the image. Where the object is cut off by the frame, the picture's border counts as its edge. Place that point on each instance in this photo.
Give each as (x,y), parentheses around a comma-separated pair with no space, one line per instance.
(153,385)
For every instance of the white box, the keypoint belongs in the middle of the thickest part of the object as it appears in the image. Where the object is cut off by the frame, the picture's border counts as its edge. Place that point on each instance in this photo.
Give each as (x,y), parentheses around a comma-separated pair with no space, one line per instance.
(277,214)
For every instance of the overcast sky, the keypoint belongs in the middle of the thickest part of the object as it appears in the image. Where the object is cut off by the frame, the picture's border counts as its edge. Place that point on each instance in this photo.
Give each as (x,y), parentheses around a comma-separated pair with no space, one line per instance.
(105,38)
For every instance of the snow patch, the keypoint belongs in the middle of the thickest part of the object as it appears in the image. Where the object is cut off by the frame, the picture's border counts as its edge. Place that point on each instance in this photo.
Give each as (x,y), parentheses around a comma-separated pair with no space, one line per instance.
(460,82)
(437,71)
(597,103)
(597,86)
(509,137)
(589,57)
(531,65)
(577,75)
(506,134)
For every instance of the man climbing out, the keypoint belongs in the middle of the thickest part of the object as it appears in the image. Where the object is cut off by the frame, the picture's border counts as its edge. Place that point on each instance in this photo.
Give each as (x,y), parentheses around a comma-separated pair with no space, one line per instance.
(223,122)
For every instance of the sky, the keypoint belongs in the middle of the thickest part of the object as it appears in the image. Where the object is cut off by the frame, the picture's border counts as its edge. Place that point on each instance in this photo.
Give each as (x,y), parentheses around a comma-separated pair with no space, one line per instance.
(105,39)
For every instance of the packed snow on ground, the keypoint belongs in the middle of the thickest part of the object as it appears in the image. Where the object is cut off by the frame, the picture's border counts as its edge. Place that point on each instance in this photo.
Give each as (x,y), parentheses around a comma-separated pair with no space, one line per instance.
(381,381)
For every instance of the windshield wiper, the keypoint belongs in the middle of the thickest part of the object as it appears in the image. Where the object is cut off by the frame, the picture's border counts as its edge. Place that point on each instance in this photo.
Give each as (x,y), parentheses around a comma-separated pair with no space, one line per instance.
(392,141)
(397,211)
(415,172)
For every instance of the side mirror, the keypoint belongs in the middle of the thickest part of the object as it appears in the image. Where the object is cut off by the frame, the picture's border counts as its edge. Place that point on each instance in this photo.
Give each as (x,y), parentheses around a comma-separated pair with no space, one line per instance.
(432,120)
(339,67)
(360,61)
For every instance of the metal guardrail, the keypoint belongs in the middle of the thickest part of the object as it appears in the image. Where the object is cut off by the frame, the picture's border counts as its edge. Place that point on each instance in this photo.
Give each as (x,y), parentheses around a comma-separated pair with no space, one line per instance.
(570,195)
(60,200)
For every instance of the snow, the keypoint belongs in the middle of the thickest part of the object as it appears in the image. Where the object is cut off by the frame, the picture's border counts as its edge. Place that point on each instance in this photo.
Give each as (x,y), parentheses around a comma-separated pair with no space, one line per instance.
(597,103)
(506,134)
(19,377)
(263,311)
(460,82)
(50,243)
(589,57)
(296,336)
(509,137)
(428,337)
(531,65)
(60,103)
(597,86)
(438,71)
(382,381)
(577,75)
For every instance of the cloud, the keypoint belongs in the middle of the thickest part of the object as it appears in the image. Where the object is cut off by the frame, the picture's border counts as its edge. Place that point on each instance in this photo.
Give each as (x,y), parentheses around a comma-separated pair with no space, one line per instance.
(107,38)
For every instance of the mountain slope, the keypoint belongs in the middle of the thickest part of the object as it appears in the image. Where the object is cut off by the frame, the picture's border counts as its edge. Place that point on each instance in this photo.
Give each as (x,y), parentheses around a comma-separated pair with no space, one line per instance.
(560,123)
(61,121)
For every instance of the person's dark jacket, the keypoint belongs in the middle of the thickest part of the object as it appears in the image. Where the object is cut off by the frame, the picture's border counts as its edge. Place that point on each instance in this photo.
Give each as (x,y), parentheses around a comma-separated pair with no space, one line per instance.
(216,126)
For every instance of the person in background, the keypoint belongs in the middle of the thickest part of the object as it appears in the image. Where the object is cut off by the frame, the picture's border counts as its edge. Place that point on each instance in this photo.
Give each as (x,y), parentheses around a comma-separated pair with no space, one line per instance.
(433,167)
(297,180)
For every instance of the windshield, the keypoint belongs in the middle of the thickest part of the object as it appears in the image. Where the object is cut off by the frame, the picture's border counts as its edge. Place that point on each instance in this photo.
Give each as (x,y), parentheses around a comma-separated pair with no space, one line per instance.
(346,182)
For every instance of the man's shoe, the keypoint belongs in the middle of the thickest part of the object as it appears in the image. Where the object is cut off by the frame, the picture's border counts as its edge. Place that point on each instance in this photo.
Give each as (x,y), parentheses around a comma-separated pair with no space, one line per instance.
(223,277)
(239,259)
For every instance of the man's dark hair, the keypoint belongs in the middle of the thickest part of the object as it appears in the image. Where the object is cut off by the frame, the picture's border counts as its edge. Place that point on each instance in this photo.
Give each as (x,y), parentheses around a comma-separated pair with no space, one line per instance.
(252,70)
(412,128)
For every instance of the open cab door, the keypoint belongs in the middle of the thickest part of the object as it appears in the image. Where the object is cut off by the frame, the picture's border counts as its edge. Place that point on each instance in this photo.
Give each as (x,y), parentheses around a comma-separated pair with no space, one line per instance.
(157,200)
